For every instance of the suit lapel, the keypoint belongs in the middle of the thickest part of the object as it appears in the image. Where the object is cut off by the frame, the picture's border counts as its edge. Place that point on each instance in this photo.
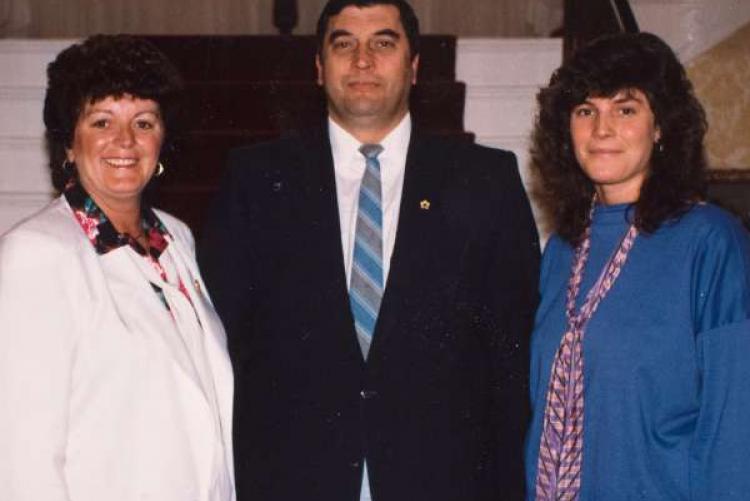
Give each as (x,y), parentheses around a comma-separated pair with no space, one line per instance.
(419,249)
(321,199)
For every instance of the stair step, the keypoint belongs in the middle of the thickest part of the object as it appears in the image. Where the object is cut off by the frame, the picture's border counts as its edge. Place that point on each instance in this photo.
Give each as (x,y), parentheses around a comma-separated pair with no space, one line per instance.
(514,62)
(250,58)
(279,105)
(199,159)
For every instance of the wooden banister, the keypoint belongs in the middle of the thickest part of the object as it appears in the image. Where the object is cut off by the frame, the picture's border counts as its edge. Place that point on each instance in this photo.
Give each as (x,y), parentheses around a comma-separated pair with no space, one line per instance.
(285,16)
(587,19)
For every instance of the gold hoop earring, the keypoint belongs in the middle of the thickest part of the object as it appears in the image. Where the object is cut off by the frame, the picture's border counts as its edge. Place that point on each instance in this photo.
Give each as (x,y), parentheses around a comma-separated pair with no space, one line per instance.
(67,165)
(159,169)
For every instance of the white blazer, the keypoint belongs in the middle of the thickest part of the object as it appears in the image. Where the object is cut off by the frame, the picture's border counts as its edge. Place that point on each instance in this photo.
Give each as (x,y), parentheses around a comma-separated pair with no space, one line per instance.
(99,399)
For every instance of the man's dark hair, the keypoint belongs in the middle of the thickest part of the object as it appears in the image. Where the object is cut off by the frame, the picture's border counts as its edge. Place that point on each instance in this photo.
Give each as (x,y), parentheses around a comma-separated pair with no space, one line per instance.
(614,63)
(105,66)
(408,20)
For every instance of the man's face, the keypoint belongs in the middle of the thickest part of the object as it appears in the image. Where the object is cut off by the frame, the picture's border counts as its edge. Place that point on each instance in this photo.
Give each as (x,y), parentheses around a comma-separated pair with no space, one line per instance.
(366,69)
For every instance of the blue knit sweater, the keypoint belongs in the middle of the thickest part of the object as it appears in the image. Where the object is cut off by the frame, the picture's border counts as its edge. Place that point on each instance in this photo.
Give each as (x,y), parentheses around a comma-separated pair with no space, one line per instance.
(666,360)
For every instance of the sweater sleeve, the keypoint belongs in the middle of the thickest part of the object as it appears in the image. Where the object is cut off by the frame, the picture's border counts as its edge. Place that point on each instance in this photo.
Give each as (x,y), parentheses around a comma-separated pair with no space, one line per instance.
(36,360)
(719,469)
(721,276)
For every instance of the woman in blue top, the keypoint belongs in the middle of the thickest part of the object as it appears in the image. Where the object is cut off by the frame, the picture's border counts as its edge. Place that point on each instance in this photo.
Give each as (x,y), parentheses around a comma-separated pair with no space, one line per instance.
(640,357)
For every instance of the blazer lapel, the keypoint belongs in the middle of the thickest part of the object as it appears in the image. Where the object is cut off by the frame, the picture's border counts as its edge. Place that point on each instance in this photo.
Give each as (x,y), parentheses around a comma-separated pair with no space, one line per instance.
(214,337)
(321,199)
(132,290)
(420,246)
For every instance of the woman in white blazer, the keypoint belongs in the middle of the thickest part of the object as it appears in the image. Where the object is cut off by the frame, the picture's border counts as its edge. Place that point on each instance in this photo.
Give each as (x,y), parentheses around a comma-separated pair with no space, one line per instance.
(114,376)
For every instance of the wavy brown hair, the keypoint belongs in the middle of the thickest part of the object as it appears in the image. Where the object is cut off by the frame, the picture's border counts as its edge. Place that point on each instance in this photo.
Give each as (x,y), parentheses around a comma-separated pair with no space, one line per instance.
(611,64)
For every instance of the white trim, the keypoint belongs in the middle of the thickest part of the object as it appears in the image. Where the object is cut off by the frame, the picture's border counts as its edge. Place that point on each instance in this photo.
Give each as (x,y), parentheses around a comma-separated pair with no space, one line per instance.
(486,45)
(23,165)
(26,197)
(16,206)
(506,139)
(35,46)
(28,60)
(483,91)
(23,143)
(507,62)
(21,93)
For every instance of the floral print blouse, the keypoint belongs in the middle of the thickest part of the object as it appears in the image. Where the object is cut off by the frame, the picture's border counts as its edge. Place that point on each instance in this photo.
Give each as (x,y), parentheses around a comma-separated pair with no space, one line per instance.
(105,238)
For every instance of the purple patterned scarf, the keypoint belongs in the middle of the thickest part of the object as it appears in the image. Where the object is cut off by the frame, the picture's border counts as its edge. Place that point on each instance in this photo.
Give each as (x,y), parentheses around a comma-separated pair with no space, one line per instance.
(561,448)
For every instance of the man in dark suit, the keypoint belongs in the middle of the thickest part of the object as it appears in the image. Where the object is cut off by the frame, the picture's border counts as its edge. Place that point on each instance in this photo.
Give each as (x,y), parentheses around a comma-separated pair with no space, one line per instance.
(378,288)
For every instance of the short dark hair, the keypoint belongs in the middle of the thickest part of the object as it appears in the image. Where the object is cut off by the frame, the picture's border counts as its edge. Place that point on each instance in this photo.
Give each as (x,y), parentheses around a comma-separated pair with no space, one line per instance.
(104,66)
(639,61)
(408,20)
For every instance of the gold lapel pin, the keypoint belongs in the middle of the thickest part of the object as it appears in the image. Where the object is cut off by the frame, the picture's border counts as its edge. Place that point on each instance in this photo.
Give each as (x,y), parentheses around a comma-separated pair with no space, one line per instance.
(424,204)
(197,286)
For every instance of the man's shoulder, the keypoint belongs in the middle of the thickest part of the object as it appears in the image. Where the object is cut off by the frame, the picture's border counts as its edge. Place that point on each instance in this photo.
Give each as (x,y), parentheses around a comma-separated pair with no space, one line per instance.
(265,167)
(286,155)
(470,161)
(465,151)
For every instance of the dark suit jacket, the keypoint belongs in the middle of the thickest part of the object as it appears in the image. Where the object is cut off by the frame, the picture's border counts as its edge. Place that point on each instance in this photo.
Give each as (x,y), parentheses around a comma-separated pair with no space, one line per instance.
(439,408)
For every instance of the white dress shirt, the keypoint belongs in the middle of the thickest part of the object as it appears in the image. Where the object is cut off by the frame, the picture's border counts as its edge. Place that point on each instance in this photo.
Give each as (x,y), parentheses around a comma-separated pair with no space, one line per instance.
(349,168)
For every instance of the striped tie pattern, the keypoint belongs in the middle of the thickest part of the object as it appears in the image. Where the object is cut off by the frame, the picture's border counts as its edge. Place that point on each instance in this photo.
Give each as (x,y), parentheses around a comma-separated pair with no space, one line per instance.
(366,288)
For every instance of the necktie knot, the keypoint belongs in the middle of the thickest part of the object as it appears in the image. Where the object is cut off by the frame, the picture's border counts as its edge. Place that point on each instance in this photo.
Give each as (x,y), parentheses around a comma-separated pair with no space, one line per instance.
(371,151)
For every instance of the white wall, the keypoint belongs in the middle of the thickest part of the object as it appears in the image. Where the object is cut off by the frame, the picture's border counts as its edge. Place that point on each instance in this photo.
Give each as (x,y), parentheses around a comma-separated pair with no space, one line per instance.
(24,177)
(503,77)
(691,27)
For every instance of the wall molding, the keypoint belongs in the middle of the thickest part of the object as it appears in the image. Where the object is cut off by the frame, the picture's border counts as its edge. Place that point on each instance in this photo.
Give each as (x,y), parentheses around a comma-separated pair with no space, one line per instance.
(21,93)
(484,91)
(507,45)
(507,61)
(16,206)
(35,45)
(24,198)
(20,143)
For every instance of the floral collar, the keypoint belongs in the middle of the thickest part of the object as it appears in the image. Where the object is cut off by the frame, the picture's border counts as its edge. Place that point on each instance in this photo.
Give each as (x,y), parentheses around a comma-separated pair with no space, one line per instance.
(102,233)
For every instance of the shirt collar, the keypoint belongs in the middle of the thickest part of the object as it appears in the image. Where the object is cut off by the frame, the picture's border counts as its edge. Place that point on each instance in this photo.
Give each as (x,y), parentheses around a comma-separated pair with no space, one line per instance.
(102,233)
(345,146)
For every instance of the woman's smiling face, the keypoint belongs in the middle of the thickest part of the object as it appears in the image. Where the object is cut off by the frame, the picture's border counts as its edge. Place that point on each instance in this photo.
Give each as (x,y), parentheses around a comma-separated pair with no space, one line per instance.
(116,146)
(613,139)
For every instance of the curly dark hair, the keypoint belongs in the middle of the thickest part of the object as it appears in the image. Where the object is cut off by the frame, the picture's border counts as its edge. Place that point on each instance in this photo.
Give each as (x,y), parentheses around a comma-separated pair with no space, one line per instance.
(105,66)
(610,64)
(408,20)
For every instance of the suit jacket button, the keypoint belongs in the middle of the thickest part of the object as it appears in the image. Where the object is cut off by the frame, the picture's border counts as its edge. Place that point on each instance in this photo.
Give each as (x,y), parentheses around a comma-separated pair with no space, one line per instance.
(354,464)
(368,394)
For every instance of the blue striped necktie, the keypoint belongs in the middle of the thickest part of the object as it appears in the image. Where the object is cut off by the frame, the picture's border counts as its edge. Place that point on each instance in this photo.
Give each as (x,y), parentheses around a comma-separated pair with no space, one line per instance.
(366,287)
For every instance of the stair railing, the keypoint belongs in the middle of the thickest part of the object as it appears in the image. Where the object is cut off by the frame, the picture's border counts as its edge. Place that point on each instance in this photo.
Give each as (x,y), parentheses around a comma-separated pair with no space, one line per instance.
(585,20)
(285,16)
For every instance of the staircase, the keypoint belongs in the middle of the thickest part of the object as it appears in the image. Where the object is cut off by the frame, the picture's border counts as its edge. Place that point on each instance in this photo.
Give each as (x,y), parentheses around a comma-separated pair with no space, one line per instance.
(245,89)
